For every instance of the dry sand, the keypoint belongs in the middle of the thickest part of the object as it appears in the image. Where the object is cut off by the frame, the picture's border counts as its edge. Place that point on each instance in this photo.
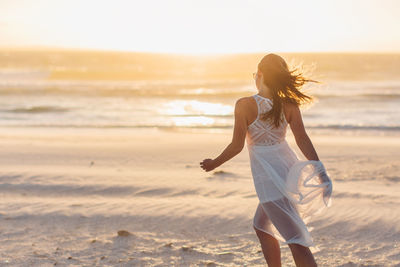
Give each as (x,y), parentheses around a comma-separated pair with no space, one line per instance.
(129,197)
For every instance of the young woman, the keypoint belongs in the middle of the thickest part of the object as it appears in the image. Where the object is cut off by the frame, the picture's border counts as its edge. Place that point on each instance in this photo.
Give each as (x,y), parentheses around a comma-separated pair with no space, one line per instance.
(289,189)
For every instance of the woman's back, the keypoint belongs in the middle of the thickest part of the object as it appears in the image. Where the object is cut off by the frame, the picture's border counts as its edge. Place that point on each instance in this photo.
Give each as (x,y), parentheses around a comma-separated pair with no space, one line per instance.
(264,132)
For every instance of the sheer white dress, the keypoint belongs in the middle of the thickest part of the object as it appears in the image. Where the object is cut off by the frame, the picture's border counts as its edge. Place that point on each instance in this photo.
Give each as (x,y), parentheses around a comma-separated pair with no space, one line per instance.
(289,190)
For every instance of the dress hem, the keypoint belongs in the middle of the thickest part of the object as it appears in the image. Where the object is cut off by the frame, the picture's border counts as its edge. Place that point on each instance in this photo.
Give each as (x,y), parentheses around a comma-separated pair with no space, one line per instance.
(281,243)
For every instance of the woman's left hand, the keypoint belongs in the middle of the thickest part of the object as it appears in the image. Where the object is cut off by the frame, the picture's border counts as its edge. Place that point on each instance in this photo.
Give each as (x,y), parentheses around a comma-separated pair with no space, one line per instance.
(207,165)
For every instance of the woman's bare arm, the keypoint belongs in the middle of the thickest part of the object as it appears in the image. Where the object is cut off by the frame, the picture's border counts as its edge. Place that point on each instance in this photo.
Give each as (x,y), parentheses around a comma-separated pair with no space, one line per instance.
(302,140)
(238,139)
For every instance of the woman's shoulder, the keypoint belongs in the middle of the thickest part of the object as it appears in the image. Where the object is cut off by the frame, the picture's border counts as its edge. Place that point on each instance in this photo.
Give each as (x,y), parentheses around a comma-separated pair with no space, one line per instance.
(244,101)
(244,105)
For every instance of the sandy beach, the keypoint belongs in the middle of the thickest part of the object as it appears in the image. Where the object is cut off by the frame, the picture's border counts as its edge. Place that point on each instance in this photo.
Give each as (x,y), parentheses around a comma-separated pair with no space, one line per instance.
(137,197)
(108,108)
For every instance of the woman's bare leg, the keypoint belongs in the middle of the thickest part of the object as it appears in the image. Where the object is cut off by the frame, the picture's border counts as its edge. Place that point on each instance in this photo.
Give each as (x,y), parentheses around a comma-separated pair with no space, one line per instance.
(270,248)
(302,256)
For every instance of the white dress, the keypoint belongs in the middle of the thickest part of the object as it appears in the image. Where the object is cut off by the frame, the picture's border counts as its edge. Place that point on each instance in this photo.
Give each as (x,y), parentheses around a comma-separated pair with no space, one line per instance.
(289,190)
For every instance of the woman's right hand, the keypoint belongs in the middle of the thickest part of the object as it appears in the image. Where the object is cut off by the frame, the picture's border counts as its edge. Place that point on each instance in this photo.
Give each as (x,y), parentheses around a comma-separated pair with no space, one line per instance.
(324,178)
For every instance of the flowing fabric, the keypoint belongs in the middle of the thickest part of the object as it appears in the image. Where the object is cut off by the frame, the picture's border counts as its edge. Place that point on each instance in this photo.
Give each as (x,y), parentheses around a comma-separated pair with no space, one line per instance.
(289,190)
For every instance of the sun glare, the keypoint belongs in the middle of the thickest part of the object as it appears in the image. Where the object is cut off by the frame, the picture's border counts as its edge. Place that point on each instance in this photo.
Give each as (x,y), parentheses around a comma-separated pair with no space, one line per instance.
(194,112)
(195,107)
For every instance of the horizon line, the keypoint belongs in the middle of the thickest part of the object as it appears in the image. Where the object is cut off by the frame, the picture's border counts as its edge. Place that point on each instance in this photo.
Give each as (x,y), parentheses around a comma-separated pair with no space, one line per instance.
(88,49)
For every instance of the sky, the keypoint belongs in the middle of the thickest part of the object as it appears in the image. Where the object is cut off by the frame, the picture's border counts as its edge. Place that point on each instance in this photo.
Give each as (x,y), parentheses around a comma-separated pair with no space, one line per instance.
(203,26)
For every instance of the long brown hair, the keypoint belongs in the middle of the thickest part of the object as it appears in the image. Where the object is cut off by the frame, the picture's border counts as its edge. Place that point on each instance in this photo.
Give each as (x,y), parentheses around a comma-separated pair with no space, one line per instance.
(284,84)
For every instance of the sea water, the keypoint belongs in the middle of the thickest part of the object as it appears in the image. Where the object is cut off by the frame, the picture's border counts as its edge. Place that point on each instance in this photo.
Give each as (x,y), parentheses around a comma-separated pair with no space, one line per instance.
(60,88)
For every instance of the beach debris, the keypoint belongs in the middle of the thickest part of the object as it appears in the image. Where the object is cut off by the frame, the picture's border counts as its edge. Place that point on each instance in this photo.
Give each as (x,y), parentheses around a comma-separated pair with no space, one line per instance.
(91,163)
(168,244)
(186,248)
(124,233)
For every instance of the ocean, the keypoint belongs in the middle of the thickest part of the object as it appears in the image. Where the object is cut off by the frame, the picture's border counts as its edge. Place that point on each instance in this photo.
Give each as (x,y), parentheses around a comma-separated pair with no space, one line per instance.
(358,93)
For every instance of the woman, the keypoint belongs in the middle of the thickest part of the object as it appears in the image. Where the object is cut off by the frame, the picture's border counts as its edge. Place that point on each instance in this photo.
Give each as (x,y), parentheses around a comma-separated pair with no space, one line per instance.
(289,190)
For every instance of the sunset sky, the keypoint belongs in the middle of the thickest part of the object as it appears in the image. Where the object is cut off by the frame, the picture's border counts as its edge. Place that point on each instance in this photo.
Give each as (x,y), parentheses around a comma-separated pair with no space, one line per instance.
(203,26)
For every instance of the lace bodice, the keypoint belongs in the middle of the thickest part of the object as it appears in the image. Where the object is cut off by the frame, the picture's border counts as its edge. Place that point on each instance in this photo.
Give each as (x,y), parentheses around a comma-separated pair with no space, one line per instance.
(261,132)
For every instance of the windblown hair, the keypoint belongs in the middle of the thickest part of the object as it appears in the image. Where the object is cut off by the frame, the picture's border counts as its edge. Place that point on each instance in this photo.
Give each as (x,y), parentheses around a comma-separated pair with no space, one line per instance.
(285,86)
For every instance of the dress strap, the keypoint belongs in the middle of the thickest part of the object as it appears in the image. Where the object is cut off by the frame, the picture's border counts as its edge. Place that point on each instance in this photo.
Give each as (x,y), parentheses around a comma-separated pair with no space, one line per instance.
(264,98)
